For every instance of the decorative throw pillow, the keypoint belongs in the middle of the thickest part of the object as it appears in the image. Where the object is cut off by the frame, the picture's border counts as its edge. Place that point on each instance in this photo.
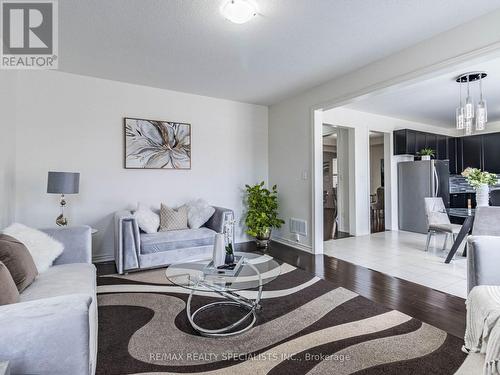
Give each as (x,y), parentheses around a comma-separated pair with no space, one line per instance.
(198,213)
(8,291)
(18,260)
(171,219)
(147,220)
(43,248)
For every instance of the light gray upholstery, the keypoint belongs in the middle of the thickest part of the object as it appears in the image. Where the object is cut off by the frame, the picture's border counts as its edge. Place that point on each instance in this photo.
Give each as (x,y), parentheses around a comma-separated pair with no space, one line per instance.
(76,278)
(135,250)
(77,243)
(53,329)
(483,260)
(446,228)
(483,256)
(176,239)
(437,217)
(47,336)
(216,222)
(487,221)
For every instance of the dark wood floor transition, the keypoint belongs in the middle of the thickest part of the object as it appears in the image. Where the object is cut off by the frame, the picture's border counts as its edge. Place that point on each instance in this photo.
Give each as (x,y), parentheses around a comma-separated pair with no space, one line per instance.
(434,307)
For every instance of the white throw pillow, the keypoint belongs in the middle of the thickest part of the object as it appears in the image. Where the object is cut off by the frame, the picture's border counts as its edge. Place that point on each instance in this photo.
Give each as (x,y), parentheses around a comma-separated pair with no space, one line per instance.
(147,220)
(198,213)
(43,248)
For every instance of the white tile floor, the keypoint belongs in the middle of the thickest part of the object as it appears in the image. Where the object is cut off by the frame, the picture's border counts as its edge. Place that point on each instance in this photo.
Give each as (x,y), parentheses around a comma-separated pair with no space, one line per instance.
(403,255)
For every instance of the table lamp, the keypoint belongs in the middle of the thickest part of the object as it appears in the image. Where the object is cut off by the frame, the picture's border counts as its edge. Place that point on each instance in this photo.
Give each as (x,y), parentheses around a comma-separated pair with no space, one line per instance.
(63,183)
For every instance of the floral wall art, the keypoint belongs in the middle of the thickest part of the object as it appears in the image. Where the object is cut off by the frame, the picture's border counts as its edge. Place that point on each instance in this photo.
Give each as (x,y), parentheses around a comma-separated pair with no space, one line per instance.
(151,144)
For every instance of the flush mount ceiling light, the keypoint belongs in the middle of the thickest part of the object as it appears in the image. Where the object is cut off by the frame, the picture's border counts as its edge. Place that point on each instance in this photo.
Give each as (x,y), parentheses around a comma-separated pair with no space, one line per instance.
(467,114)
(239,11)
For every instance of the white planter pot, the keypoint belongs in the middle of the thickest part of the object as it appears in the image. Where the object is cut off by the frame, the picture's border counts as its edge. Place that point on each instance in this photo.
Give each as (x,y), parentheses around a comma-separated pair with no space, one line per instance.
(483,195)
(425,157)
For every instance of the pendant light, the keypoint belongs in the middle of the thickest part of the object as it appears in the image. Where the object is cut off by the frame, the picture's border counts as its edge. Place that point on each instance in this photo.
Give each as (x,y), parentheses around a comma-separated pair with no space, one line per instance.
(467,116)
(481,110)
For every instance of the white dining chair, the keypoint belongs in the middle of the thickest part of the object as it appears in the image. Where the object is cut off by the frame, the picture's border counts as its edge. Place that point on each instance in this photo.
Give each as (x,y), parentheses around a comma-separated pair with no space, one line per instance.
(438,221)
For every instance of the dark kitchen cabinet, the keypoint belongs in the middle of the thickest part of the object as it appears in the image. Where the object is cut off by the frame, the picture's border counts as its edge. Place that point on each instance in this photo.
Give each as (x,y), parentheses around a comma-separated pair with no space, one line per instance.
(477,151)
(452,154)
(472,152)
(410,142)
(431,142)
(399,142)
(491,152)
(420,141)
(442,147)
(404,142)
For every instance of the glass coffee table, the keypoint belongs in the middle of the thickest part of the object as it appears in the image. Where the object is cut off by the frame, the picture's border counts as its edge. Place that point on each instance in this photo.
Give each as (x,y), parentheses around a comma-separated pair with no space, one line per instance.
(255,271)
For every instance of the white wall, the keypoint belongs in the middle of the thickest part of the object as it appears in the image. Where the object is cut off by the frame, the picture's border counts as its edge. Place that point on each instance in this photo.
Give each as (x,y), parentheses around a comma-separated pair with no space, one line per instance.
(7,146)
(75,123)
(291,121)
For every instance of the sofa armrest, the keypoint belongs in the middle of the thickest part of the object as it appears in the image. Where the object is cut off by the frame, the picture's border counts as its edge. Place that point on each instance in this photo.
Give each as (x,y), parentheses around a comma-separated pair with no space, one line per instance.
(47,336)
(77,243)
(219,218)
(483,258)
(127,241)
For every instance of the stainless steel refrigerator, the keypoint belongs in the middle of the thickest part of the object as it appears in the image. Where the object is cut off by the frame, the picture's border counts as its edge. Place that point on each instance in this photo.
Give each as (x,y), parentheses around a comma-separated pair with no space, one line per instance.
(416,181)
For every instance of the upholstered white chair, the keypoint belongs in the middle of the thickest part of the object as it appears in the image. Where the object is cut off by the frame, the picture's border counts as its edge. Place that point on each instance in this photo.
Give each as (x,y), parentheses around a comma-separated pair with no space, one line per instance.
(438,221)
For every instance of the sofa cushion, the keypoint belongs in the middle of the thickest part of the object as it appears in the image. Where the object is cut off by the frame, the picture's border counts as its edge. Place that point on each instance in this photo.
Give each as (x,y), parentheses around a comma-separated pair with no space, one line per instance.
(174,240)
(43,248)
(147,220)
(173,219)
(8,290)
(18,260)
(198,213)
(75,278)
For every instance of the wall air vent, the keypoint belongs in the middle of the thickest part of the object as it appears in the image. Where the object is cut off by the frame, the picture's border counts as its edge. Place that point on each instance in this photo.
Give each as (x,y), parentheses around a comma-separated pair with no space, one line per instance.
(298,226)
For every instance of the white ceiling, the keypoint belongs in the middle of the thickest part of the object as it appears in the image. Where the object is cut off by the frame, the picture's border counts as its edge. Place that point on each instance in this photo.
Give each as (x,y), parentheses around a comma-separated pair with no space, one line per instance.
(434,101)
(291,46)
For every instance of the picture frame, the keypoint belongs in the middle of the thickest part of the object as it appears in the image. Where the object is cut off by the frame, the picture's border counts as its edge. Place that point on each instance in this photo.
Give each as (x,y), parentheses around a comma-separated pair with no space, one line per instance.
(156,144)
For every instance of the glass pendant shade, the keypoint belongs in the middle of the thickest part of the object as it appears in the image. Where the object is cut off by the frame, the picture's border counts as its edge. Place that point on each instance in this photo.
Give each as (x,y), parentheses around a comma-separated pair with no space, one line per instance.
(469,109)
(481,115)
(460,118)
(468,126)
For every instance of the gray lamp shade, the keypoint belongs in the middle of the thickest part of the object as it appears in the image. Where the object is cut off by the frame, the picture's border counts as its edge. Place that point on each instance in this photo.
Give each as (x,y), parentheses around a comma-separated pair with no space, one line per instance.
(63,183)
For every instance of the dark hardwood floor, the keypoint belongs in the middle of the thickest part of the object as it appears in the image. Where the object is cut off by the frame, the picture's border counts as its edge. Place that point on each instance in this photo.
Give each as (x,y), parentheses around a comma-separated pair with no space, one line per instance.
(437,308)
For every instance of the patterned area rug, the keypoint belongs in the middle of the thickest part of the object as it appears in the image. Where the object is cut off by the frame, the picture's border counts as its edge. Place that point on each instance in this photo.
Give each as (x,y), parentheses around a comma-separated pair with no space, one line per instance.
(306,326)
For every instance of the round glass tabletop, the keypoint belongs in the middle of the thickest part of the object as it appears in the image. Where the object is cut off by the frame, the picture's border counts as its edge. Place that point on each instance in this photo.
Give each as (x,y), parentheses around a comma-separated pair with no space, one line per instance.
(256,270)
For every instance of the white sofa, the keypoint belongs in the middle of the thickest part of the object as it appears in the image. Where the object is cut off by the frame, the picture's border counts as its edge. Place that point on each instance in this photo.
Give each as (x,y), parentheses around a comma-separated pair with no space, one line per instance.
(136,250)
(53,329)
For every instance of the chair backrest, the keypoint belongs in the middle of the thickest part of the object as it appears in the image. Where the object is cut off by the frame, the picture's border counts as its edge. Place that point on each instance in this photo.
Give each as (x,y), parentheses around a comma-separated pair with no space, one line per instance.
(379,205)
(487,221)
(435,211)
(495,197)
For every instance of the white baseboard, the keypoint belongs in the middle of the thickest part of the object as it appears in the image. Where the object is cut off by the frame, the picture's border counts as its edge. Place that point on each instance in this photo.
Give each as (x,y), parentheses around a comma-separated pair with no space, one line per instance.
(102,258)
(294,244)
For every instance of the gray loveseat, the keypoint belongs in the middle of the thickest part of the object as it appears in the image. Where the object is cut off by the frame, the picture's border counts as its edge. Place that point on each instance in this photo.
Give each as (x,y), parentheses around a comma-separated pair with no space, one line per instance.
(53,329)
(135,250)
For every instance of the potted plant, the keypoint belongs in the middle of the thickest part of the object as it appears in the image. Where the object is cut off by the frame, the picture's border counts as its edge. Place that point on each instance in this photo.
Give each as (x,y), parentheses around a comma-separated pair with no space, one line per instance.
(426,153)
(262,213)
(229,254)
(481,182)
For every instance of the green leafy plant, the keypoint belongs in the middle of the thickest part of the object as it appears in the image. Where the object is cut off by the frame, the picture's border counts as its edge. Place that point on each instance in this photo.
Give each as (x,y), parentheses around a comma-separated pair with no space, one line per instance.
(426,152)
(229,249)
(262,214)
(475,177)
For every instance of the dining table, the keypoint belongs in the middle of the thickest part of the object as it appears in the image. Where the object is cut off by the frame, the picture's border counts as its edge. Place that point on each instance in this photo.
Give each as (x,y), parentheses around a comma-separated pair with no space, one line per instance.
(468,215)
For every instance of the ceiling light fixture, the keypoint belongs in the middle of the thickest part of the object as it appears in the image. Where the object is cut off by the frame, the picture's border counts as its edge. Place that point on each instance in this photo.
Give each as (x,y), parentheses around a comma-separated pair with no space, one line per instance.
(239,11)
(466,114)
